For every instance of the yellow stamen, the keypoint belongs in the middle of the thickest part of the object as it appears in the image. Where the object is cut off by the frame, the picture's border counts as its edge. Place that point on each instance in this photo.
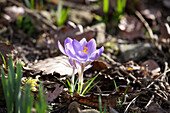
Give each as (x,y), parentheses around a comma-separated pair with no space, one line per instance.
(85,50)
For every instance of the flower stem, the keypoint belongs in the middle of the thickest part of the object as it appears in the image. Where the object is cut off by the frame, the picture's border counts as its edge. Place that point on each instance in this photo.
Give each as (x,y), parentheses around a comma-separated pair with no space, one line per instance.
(80,85)
(72,80)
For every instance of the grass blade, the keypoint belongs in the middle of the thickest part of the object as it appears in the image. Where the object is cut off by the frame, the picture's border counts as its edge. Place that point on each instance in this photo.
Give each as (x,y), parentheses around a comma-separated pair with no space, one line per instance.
(3,59)
(91,80)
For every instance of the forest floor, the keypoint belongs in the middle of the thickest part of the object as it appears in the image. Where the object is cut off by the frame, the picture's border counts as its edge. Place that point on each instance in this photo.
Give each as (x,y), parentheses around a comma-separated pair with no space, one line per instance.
(133,71)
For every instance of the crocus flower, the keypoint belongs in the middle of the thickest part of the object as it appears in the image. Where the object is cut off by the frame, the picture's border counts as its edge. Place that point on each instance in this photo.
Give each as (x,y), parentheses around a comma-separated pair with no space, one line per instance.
(80,54)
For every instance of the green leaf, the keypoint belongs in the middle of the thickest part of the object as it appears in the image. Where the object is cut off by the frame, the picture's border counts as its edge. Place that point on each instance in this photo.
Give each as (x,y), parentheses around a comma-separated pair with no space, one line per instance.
(100,103)
(3,59)
(17,87)
(106,6)
(90,82)
(27,3)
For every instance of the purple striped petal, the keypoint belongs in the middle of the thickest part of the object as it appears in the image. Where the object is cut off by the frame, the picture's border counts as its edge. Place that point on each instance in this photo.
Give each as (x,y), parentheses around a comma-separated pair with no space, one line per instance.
(68,40)
(101,50)
(81,56)
(71,62)
(87,67)
(76,45)
(83,42)
(69,50)
(78,66)
(91,45)
(96,54)
(61,48)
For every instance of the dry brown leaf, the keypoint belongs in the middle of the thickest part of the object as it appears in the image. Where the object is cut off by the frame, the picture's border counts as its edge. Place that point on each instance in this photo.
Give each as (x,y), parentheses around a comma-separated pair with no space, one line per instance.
(152,66)
(53,95)
(130,27)
(99,65)
(59,64)
(93,99)
(49,41)
(155,108)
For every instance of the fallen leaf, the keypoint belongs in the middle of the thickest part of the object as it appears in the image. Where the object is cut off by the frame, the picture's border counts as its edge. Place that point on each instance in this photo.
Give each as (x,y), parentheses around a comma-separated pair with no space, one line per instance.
(99,65)
(152,66)
(50,40)
(155,108)
(130,27)
(53,95)
(59,64)
(93,99)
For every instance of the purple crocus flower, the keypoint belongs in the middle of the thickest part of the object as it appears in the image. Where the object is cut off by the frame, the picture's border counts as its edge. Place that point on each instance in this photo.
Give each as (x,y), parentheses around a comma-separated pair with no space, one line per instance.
(80,54)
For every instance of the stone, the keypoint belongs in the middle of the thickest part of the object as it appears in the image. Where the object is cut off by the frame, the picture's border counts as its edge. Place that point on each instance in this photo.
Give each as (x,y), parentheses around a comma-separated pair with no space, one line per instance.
(134,51)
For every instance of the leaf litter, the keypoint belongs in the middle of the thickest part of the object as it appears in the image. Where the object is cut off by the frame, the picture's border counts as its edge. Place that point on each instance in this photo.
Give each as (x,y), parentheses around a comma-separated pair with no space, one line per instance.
(140,85)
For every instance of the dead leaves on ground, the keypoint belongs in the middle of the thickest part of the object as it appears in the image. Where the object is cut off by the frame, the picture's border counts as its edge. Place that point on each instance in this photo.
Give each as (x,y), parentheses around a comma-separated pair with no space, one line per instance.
(54,94)
(131,28)
(54,65)
(49,40)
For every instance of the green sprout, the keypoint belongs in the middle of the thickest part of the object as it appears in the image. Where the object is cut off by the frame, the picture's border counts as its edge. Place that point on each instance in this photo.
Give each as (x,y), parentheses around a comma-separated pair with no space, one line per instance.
(121,4)
(16,102)
(106,10)
(31,4)
(121,101)
(100,105)
(41,105)
(86,89)
(25,24)
(61,14)
(11,87)
(3,59)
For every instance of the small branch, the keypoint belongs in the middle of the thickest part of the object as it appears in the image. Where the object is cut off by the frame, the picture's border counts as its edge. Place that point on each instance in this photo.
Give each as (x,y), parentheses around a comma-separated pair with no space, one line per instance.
(146,25)
(110,59)
(130,103)
(149,102)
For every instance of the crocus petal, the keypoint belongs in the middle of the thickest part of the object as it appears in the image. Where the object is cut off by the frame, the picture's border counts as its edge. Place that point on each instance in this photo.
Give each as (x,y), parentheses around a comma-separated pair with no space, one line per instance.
(69,50)
(61,48)
(101,50)
(83,42)
(76,45)
(68,40)
(78,66)
(81,56)
(87,67)
(71,62)
(91,45)
(93,56)
(96,54)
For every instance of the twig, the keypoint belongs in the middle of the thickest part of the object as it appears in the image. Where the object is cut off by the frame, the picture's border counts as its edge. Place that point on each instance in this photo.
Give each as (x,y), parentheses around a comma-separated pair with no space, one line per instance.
(146,25)
(34,14)
(157,78)
(160,96)
(151,91)
(130,103)
(149,101)
(110,59)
